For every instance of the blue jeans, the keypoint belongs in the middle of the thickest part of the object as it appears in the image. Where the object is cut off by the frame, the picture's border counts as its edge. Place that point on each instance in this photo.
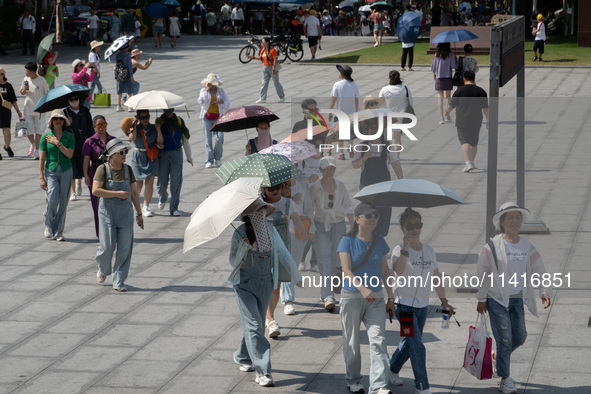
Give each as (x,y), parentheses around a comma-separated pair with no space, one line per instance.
(212,152)
(413,348)
(98,84)
(297,250)
(58,195)
(253,294)
(327,243)
(354,311)
(508,327)
(170,167)
(267,75)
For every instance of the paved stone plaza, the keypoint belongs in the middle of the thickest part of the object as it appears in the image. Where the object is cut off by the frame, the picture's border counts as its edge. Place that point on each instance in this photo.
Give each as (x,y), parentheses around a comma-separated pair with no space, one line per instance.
(177,327)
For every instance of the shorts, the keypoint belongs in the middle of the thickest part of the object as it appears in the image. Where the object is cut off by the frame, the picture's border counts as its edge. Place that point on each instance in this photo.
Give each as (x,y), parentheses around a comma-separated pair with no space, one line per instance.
(5,118)
(469,135)
(237,22)
(378,27)
(443,84)
(312,41)
(226,22)
(539,44)
(158,29)
(125,87)
(77,167)
(35,124)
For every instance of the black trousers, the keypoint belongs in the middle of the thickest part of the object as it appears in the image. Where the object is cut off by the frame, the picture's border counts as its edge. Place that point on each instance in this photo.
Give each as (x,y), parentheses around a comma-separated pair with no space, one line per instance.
(410,53)
(28,41)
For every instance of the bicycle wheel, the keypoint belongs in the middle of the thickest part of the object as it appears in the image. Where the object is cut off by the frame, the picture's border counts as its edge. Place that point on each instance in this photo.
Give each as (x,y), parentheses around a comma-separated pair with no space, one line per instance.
(295,55)
(281,52)
(248,50)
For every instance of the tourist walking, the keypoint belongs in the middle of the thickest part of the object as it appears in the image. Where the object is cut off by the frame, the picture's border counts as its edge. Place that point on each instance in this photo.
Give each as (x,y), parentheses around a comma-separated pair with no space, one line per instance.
(55,170)
(398,98)
(9,96)
(82,128)
(33,88)
(513,262)
(95,58)
(114,183)
(442,66)
(214,102)
(268,56)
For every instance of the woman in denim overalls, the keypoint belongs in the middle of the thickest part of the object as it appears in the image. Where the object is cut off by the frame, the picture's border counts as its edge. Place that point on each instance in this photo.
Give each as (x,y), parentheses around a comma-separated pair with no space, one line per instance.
(255,253)
(114,183)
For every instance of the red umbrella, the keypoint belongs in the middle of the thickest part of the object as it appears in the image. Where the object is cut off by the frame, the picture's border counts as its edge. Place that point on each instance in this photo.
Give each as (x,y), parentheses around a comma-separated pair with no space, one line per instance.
(243,118)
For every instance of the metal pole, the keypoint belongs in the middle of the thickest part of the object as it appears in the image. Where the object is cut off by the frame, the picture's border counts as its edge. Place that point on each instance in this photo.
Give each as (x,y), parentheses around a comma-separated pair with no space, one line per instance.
(521,137)
(493,128)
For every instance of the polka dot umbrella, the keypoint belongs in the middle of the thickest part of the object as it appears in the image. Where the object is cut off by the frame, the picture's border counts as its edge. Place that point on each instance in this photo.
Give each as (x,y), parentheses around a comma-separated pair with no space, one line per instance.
(273,168)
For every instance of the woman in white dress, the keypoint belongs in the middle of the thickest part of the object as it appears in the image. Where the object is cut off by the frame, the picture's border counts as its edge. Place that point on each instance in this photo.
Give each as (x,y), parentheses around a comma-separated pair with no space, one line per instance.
(175,30)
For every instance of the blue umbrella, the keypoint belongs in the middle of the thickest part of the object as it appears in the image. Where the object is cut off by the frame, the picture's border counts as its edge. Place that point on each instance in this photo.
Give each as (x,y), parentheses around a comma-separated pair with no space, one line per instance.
(408,27)
(171,2)
(416,193)
(58,98)
(453,36)
(157,10)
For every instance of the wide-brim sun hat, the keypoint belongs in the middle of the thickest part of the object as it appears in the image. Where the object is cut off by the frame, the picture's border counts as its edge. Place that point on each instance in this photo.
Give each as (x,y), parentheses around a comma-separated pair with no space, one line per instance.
(127,123)
(114,146)
(75,63)
(255,206)
(136,52)
(346,72)
(509,207)
(95,44)
(369,99)
(58,113)
(213,79)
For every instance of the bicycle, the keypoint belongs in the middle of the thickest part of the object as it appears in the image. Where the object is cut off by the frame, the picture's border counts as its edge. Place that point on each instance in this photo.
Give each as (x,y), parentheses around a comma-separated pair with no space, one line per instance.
(254,46)
(293,47)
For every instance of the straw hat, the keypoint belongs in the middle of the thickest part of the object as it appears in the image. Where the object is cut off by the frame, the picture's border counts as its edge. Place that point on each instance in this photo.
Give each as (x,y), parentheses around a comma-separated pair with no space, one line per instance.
(255,206)
(369,99)
(509,207)
(127,123)
(59,113)
(95,44)
(213,79)
(136,52)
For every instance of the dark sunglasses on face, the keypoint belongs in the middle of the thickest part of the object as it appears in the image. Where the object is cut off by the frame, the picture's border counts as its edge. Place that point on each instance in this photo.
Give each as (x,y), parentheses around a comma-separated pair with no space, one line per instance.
(275,188)
(410,226)
(375,215)
(74,99)
(144,117)
(123,152)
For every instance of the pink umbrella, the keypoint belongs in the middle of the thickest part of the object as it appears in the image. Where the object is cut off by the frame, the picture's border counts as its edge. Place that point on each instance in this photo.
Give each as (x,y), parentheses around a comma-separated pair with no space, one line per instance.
(243,118)
(302,135)
(295,151)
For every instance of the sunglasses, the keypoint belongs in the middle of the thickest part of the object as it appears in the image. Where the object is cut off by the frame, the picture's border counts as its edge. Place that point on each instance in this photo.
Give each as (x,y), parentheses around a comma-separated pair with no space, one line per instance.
(144,117)
(330,201)
(372,104)
(101,125)
(123,152)
(275,188)
(410,226)
(74,99)
(368,216)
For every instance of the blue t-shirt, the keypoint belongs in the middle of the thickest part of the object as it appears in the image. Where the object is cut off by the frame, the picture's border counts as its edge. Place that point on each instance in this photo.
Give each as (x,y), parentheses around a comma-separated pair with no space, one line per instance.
(372,268)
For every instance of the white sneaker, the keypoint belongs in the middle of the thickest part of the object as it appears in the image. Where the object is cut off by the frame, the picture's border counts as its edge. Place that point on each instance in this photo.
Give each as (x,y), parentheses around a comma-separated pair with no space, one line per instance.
(302,267)
(60,237)
(448,120)
(244,367)
(507,386)
(175,213)
(47,233)
(395,379)
(383,390)
(100,278)
(218,163)
(79,190)
(265,380)
(208,165)
(146,211)
(161,206)
(73,197)
(314,268)
(289,309)
(417,391)
(119,109)
(466,168)
(273,328)
(260,101)
(472,166)
(356,387)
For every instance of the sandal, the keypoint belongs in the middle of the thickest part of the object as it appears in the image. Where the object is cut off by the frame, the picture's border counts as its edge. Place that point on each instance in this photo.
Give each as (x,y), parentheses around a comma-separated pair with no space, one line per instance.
(535,59)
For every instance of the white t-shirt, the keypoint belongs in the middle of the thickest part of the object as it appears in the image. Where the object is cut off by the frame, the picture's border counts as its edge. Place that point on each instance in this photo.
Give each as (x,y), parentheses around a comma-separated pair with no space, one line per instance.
(541,35)
(311,166)
(237,14)
(37,88)
(93,22)
(516,265)
(94,58)
(138,25)
(408,44)
(376,151)
(395,96)
(419,264)
(312,24)
(345,92)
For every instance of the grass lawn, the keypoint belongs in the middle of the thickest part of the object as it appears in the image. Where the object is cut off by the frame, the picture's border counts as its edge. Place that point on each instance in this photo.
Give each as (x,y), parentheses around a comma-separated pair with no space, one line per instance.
(560,51)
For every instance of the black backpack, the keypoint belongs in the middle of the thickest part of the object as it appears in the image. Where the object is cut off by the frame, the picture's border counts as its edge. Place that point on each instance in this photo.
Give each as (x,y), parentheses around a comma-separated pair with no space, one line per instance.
(103,156)
(458,78)
(121,72)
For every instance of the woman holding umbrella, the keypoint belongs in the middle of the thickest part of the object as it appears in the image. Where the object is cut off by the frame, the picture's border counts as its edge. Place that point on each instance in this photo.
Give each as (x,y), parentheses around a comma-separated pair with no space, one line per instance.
(125,86)
(256,252)
(412,258)
(442,66)
(56,148)
(378,26)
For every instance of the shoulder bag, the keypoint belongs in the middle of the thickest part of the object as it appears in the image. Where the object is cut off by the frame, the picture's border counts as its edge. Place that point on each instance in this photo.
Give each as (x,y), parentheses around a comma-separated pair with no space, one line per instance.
(6,104)
(458,78)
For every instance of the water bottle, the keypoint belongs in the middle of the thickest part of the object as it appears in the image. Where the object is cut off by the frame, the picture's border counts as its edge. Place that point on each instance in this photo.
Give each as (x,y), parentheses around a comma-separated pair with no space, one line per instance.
(445,319)
(27,85)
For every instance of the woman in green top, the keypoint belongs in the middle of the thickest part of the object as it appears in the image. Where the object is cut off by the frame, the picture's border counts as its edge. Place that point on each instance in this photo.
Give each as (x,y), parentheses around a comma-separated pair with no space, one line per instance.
(56,148)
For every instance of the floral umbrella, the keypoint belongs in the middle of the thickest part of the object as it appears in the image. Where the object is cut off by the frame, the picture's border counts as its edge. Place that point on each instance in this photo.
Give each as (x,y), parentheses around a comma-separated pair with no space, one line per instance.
(295,151)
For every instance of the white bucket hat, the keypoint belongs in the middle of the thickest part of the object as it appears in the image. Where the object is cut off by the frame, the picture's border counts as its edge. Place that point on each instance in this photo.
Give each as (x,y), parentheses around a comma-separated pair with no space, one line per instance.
(59,113)
(213,79)
(509,207)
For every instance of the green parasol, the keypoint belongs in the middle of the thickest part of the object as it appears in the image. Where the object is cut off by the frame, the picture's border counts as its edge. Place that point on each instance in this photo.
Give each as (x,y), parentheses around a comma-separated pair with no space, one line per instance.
(44,46)
(273,168)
